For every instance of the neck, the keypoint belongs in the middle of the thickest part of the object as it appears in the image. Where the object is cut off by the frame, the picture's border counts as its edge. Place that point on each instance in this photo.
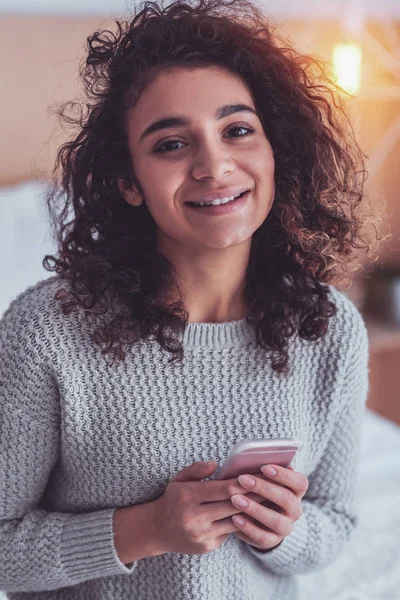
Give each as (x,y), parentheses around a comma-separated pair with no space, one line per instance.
(211,285)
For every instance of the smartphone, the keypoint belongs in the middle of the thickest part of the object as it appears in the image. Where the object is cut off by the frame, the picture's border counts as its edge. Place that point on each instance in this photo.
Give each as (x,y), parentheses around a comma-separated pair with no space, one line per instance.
(248,456)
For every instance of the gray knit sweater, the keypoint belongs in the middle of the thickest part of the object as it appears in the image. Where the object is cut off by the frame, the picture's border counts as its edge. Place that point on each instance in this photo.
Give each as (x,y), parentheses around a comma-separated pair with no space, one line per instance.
(80,438)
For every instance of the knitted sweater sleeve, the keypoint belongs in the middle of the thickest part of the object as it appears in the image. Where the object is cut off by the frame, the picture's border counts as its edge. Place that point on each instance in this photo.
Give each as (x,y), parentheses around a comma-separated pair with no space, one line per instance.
(329,513)
(39,550)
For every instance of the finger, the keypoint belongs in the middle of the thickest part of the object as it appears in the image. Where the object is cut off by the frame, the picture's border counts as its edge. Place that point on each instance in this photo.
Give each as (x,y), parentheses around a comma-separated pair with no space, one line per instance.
(251,495)
(282,496)
(277,522)
(255,535)
(218,512)
(255,497)
(246,538)
(217,490)
(259,498)
(223,527)
(253,520)
(297,482)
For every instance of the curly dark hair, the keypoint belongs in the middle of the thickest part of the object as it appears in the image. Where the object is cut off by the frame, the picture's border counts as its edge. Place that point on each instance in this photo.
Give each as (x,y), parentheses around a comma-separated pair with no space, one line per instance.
(107,248)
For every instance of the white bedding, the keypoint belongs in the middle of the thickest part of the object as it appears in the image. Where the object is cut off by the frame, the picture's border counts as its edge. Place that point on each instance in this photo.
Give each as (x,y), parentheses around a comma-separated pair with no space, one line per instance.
(369,566)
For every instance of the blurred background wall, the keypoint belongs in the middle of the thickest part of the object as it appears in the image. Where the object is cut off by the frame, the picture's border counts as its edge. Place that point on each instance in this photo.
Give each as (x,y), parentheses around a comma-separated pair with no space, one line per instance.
(41,46)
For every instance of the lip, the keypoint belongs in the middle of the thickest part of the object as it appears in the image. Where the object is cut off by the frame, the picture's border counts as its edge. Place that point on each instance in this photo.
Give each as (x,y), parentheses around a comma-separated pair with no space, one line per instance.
(221,209)
(222,193)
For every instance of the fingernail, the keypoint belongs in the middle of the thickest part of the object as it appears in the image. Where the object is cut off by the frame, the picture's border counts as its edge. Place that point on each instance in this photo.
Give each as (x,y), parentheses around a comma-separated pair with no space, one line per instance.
(246,480)
(268,470)
(238,520)
(239,501)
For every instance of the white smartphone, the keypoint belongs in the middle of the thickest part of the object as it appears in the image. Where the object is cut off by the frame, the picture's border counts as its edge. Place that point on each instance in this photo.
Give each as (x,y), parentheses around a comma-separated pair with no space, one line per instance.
(248,456)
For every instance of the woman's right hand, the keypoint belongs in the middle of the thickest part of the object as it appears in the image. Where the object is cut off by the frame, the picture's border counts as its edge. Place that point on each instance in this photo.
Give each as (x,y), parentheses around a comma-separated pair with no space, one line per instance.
(194,516)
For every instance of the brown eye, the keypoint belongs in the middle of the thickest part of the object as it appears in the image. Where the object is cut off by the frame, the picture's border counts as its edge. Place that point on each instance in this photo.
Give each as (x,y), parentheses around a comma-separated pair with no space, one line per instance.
(167,143)
(163,148)
(249,131)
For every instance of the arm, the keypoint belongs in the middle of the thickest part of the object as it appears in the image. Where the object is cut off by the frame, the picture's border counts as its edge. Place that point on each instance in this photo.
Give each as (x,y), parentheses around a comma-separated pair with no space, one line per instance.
(329,513)
(41,550)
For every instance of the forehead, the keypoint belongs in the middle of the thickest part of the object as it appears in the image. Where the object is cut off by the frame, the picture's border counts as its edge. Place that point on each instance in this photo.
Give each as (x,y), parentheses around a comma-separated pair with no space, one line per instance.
(190,92)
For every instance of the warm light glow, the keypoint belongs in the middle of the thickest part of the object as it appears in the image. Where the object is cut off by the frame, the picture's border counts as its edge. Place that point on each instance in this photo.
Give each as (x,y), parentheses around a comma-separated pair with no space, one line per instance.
(347,63)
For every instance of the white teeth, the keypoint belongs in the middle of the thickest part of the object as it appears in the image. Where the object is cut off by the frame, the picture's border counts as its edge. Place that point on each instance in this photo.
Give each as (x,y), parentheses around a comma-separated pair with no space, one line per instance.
(217,201)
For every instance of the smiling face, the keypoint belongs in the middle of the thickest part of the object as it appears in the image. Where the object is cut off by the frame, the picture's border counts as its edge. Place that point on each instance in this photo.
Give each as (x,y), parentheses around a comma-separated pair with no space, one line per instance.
(210,149)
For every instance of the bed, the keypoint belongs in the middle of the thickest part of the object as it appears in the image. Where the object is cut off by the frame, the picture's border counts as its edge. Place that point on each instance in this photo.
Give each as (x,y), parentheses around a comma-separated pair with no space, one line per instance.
(369,566)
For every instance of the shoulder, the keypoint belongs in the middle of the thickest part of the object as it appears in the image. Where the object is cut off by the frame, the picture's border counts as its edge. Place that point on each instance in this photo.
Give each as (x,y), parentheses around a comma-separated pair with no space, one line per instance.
(32,314)
(31,333)
(348,319)
(31,301)
(347,327)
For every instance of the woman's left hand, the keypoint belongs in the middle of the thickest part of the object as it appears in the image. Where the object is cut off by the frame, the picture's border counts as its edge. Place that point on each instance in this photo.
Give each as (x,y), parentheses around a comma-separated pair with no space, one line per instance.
(268,523)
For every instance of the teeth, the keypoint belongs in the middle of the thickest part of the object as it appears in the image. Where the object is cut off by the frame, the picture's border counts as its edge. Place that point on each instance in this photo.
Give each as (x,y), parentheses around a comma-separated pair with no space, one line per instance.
(217,201)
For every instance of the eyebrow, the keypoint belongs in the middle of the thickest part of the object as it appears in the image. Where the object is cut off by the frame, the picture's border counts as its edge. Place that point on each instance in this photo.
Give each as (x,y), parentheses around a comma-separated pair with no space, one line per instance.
(220,113)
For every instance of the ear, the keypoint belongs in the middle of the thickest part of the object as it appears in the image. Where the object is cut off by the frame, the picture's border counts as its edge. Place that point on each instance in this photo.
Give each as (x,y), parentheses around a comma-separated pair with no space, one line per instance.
(129,193)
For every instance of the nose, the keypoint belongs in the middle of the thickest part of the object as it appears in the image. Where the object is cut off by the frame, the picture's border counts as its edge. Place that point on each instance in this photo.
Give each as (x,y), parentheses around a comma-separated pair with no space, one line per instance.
(212,161)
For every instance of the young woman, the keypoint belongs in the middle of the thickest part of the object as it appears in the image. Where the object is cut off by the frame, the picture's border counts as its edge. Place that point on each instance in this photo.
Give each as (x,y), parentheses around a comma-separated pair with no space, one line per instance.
(173,329)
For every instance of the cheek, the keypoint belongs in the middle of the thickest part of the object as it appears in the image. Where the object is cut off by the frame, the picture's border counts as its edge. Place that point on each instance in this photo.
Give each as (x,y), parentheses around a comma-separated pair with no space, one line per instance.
(161,208)
(259,163)
(163,177)
(162,204)
(159,189)
(264,163)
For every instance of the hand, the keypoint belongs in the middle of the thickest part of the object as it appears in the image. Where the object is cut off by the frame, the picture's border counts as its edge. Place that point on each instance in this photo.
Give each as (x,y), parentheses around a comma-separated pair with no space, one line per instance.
(277,515)
(193,516)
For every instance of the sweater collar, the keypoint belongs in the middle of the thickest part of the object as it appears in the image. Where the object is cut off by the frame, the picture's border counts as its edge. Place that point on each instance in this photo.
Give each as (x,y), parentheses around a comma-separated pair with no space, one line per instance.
(229,333)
